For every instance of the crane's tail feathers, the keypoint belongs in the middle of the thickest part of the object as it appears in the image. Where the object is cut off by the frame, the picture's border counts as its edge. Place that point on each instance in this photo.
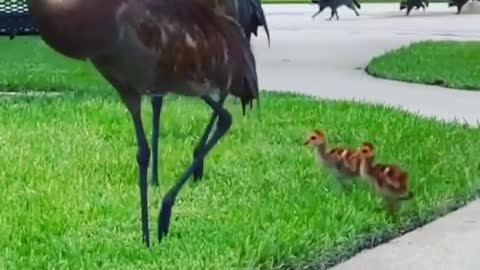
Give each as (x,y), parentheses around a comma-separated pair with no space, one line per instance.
(245,86)
(250,80)
(260,17)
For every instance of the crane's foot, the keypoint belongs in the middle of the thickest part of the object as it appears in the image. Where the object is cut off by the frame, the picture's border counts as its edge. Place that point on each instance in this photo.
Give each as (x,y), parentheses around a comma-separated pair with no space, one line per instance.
(165,216)
(198,171)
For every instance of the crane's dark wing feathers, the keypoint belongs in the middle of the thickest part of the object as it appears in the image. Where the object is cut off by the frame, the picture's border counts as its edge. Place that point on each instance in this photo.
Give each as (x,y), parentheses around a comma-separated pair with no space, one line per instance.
(199,43)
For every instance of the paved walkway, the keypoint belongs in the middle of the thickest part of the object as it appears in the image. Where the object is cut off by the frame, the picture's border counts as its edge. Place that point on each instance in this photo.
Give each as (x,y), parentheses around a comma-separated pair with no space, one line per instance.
(321,58)
(326,59)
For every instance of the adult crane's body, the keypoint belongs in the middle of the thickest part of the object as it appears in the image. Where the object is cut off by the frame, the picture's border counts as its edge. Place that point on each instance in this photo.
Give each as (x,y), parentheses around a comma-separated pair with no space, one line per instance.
(156,47)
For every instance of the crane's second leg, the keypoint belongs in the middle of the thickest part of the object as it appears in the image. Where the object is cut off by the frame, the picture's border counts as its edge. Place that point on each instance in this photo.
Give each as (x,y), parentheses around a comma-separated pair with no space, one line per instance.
(133,101)
(198,172)
(223,125)
(157,103)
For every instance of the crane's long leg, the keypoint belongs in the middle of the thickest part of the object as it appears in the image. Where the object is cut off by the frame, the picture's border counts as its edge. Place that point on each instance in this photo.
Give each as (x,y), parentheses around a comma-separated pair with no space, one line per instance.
(332,13)
(198,172)
(223,125)
(143,156)
(157,102)
(133,101)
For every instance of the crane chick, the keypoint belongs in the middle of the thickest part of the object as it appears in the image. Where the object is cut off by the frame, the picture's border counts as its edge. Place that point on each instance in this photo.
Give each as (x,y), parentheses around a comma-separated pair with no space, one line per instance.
(390,182)
(339,160)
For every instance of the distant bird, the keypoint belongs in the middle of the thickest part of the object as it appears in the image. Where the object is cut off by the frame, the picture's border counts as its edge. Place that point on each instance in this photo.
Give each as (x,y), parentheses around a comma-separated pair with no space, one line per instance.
(334,5)
(409,4)
(458,3)
(154,48)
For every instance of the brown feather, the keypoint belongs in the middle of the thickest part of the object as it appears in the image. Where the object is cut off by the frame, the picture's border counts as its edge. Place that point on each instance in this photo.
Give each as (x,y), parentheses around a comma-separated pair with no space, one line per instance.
(154,46)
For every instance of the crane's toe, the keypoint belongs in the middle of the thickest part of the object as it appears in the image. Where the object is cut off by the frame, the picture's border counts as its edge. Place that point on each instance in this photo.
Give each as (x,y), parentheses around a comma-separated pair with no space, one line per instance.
(198,171)
(164,216)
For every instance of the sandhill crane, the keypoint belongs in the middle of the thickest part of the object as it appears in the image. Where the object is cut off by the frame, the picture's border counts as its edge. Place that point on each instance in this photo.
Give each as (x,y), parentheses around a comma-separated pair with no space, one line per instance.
(153,48)
(458,3)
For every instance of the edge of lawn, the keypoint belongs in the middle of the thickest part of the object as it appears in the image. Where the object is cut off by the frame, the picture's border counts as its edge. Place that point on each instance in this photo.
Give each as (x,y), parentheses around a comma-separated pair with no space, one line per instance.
(373,240)
(389,75)
(440,83)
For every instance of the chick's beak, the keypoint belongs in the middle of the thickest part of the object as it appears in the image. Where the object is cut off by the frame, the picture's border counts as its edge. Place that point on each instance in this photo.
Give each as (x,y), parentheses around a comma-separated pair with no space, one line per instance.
(306,142)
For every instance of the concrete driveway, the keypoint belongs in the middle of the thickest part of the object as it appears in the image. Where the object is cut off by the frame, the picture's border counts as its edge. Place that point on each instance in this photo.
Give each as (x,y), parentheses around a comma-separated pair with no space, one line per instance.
(326,59)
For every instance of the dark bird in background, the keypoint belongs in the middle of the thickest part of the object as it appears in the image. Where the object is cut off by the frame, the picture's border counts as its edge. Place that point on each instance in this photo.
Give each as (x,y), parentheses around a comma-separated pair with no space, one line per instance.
(334,5)
(409,4)
(155,48)
(458,3)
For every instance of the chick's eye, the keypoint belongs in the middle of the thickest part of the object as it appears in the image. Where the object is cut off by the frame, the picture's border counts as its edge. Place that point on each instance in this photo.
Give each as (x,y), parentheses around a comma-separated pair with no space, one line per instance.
(313,138)
(364,151)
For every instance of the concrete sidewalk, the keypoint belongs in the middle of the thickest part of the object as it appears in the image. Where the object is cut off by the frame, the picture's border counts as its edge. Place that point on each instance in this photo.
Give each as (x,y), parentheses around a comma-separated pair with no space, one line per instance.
(326,59)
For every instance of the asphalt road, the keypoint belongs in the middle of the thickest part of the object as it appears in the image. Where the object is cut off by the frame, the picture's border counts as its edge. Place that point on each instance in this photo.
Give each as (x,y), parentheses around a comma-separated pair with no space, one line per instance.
(326,59)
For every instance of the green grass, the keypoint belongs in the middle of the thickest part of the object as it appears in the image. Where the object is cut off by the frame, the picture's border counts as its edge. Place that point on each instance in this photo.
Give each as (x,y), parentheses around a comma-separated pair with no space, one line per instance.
(28,64)
(69,177)
(451,64)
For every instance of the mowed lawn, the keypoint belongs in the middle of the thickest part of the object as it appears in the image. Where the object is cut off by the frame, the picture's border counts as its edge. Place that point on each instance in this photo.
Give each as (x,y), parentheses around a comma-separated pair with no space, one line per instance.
(68,178)
(454,64)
